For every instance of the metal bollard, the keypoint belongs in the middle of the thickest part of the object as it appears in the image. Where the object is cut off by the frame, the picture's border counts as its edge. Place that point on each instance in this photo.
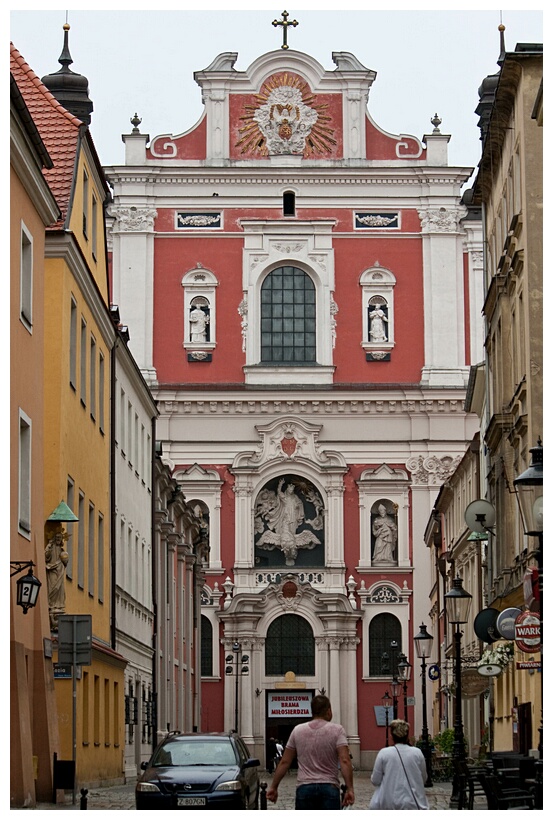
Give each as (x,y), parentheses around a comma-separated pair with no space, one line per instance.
(84,799)
(263,797)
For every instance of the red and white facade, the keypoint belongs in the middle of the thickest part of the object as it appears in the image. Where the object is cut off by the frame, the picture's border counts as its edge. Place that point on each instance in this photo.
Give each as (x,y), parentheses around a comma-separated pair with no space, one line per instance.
(301,292)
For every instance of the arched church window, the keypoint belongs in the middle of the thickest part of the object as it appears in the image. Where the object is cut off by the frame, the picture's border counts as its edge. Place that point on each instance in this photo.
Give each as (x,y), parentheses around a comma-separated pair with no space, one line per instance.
(289,524)
(384,533)
(206,648)
(290,647)
(383,629)
(288,318)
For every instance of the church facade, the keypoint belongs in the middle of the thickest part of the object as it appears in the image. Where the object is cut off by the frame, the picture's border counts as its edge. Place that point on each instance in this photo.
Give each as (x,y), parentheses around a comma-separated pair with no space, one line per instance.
(302,290)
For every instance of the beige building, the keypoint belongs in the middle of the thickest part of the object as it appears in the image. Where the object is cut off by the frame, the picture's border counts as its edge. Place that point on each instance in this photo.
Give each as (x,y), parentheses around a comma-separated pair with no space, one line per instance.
(509,186)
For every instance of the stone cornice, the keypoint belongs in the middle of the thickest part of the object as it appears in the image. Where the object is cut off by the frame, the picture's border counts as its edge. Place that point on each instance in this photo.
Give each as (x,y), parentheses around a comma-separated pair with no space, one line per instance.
(175,405)
(238,176)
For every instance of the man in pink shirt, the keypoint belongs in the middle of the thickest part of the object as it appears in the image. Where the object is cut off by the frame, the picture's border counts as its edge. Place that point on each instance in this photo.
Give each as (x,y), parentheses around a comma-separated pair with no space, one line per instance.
(320,747)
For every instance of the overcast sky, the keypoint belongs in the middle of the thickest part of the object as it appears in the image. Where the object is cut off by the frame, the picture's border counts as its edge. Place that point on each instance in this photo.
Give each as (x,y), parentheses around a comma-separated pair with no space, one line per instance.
(426,61)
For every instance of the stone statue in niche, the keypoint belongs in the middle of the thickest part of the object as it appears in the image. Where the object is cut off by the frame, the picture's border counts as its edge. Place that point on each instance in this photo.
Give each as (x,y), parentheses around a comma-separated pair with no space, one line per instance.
(280,514)
(56,561)
(377,332)
(384,530)
(199,320)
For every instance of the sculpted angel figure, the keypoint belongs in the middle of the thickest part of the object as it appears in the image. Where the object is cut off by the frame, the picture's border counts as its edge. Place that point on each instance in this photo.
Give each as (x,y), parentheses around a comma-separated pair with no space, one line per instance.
(283,517)
(385,532)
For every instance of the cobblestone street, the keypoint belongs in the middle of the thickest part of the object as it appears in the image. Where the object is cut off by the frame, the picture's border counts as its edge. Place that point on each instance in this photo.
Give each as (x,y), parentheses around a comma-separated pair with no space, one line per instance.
(121,798)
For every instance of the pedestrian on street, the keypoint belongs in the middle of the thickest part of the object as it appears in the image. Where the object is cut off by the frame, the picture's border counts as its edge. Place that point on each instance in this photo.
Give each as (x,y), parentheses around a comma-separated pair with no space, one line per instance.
(272,754)
(399,773)
(321,749)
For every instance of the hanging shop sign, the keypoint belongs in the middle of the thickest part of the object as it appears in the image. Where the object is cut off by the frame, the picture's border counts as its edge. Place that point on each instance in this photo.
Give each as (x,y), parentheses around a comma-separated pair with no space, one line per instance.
(472,683)
(434,671)
(289,704)
(528,632)
(506,622)
(528,664)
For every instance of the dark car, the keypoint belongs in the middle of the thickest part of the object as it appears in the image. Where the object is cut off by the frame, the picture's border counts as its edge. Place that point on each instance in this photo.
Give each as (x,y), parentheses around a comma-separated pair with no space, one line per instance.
(195,771)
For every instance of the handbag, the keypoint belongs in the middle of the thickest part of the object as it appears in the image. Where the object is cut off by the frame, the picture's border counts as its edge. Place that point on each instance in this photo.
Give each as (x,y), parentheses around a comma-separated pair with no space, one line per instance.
(407,778)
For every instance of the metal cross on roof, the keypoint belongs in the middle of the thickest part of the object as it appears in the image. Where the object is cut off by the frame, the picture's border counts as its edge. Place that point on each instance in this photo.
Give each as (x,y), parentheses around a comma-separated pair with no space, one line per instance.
(284,23)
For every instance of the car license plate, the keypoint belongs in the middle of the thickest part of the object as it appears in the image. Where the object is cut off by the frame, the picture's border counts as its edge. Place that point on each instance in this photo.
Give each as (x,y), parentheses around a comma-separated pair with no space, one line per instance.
(190,801)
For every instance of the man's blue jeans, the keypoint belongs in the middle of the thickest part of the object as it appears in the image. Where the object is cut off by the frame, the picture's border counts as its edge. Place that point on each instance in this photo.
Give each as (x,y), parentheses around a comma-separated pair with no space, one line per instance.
(318,796)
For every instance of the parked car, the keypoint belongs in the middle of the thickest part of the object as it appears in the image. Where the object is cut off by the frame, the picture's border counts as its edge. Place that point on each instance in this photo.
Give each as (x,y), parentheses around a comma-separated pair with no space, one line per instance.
(199,771)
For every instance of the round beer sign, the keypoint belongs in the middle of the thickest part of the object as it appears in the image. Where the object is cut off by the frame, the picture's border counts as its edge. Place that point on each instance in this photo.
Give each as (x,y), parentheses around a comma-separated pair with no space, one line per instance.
(528,632)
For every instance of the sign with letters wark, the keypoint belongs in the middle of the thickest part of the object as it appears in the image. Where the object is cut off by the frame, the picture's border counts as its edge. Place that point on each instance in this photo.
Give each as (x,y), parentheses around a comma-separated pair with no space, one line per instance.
(528,632)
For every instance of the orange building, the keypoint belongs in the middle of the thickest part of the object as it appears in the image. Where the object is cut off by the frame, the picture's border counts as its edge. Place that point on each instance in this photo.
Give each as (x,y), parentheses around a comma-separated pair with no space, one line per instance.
(34,729)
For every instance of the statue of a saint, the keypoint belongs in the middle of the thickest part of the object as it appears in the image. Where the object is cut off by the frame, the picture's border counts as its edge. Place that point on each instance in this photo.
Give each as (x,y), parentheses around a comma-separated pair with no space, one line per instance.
(284,517)
(56,560)
(385,532)
(377,332)
(198,324)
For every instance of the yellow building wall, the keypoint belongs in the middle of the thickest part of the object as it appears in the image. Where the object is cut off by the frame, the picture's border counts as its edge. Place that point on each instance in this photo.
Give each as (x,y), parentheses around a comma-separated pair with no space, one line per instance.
(77,470)
(85,213)
(100,730)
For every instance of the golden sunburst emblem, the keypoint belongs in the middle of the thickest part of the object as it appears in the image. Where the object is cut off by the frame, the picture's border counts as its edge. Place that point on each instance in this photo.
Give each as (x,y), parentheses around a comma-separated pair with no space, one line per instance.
(286,119)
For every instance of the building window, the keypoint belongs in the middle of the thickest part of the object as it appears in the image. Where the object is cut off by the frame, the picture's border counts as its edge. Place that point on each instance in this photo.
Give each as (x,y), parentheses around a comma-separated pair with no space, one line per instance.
(80,540)
(288,321)
(69,527)
(94,226)
(289,203)
(101,391)
(100,558)
(290,647)
(122,417)
(25,460)
(83,361)
(92,378)
(85,202)
(73,345)
(26,279)
(86,707)
(207,648)
(91,550)
(383,629)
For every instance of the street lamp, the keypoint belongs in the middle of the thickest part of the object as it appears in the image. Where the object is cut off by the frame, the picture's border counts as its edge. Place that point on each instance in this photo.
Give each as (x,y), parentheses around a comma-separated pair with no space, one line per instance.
(529,492)
(386,702)
(457,604)
(239,666)
(396,689)
(404,674)
(27,587)
(423,648)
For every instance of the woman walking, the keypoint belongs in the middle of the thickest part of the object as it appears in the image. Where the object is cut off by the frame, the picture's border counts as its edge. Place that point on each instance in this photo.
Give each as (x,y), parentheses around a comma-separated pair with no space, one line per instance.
(399,773)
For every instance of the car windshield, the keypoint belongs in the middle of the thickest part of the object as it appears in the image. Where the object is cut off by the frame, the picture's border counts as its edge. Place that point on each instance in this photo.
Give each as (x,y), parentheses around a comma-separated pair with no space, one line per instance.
(186,752)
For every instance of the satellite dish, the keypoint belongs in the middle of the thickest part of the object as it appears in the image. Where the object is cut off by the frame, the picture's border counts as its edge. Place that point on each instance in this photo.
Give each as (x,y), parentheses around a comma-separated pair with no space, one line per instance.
(480,516)
(485,625)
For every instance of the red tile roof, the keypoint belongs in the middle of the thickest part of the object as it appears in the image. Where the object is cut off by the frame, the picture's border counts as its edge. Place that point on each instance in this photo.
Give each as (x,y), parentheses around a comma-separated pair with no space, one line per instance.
(58,128)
